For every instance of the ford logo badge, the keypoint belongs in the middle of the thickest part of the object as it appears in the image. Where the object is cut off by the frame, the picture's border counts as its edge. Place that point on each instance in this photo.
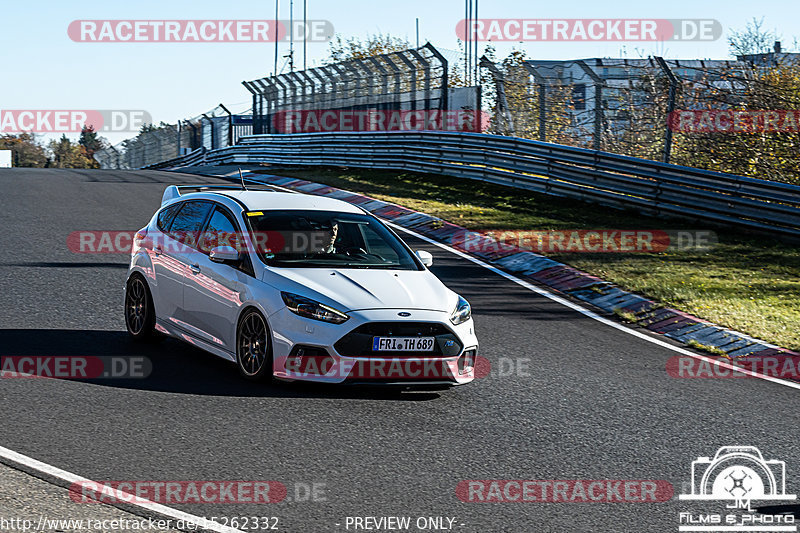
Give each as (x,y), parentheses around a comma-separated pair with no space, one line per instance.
(404,313)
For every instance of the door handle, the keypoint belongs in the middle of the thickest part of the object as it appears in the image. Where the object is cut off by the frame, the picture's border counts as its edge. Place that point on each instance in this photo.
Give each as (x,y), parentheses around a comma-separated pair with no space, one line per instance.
(195,269)
(158,250)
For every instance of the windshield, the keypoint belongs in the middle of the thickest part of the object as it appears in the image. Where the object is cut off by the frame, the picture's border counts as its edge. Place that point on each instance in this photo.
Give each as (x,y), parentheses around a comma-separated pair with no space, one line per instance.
(318,239)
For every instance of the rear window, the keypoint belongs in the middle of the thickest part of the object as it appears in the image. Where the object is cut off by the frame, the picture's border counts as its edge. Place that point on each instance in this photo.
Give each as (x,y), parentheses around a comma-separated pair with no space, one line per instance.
(165,216)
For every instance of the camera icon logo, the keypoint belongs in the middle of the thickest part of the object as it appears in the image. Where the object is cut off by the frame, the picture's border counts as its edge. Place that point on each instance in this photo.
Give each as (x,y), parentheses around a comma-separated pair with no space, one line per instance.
(738,473)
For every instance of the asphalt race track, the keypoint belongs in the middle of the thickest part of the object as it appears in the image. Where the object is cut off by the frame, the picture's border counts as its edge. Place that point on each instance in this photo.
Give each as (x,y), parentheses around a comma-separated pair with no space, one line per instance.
(588,401)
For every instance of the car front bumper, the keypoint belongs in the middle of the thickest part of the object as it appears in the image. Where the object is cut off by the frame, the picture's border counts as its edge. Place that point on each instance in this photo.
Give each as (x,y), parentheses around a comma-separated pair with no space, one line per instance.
(311,350)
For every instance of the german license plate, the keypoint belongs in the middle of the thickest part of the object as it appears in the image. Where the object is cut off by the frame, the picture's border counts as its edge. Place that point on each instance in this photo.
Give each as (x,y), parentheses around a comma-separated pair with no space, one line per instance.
(402,344)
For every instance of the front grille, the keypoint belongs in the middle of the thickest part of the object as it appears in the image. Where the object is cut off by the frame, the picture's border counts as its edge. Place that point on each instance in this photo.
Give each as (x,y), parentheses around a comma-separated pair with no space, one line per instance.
(358,343)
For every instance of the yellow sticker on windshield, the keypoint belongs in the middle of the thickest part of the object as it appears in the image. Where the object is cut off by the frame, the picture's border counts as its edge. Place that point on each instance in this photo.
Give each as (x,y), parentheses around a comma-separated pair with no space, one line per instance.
(254,213)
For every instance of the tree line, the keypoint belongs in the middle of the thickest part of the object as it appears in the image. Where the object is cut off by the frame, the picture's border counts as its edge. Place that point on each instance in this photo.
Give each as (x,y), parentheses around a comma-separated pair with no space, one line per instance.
(27,150)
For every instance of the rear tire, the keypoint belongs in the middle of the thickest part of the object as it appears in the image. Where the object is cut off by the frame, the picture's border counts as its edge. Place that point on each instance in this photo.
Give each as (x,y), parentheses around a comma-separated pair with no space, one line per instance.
(254,347)
(140,315)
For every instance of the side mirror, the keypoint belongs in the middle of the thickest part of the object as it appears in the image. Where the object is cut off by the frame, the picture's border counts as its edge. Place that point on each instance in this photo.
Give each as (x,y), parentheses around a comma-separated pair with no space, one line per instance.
(425,257)
(224,254)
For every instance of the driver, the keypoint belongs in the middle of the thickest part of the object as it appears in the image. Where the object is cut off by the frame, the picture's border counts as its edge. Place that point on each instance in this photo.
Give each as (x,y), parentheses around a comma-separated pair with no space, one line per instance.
(329,239)
(323,241)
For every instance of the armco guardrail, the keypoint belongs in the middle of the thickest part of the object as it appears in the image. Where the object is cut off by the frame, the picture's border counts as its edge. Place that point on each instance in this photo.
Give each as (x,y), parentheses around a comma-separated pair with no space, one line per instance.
(594,176)
(195,157)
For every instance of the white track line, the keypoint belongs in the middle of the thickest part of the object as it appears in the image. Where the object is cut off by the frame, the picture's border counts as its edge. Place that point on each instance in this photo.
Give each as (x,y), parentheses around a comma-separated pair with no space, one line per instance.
(45,468)
(588,313)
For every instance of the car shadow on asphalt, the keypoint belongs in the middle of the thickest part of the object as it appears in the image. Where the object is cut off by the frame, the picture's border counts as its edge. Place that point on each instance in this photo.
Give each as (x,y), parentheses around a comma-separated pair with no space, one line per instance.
(178,367)
(71,264)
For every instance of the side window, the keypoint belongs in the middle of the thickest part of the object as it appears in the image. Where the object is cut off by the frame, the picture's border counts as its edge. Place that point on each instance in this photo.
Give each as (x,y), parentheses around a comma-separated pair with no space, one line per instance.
(165,217)
(187,223)
(221,231)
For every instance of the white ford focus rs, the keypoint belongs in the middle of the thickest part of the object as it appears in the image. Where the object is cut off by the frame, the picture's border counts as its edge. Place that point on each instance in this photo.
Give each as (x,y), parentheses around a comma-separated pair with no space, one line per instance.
(295,287)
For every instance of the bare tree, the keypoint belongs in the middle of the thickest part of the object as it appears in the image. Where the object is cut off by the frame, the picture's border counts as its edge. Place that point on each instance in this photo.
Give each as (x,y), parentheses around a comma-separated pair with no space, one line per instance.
(754,39)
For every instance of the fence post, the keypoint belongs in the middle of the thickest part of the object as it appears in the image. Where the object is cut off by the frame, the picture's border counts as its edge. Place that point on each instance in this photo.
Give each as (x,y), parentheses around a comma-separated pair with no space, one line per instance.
(256,115)
(673,83)
(598,83)
(230,124)
(211,123)
(116,157)
(502,103)
(541,85)
(444,86)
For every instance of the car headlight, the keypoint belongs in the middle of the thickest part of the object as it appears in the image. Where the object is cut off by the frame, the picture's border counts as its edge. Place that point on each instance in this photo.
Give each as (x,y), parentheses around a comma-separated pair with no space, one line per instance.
(308,308)
(462,312)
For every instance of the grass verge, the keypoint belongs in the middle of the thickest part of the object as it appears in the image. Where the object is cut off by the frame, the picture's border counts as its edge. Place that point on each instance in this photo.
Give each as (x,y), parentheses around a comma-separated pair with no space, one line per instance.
(747,283)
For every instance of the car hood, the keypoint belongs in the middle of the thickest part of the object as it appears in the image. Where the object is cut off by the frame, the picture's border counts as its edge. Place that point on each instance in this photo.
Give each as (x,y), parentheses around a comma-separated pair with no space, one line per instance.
(358,289)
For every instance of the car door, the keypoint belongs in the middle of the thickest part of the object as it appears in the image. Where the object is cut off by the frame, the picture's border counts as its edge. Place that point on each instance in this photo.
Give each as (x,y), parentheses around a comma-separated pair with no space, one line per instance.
(213,292)
(173,256)
(168,272)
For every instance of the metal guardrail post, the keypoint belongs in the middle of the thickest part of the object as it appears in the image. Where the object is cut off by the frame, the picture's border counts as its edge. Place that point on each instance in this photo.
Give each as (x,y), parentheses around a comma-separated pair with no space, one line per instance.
(673,85)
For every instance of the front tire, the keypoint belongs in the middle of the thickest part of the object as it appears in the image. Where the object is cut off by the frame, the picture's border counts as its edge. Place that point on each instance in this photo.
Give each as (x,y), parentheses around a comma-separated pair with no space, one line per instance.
(140,314)
(254,347)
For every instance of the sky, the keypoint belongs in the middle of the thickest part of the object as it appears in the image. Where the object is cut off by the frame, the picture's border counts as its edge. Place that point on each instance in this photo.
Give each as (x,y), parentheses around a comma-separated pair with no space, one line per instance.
(42,68)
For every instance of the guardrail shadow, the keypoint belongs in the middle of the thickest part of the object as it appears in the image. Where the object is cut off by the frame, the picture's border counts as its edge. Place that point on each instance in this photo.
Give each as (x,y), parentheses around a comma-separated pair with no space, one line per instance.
(178,367)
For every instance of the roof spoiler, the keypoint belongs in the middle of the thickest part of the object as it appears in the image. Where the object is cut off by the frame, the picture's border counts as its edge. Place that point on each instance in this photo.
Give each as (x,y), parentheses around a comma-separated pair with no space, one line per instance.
(176,191)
